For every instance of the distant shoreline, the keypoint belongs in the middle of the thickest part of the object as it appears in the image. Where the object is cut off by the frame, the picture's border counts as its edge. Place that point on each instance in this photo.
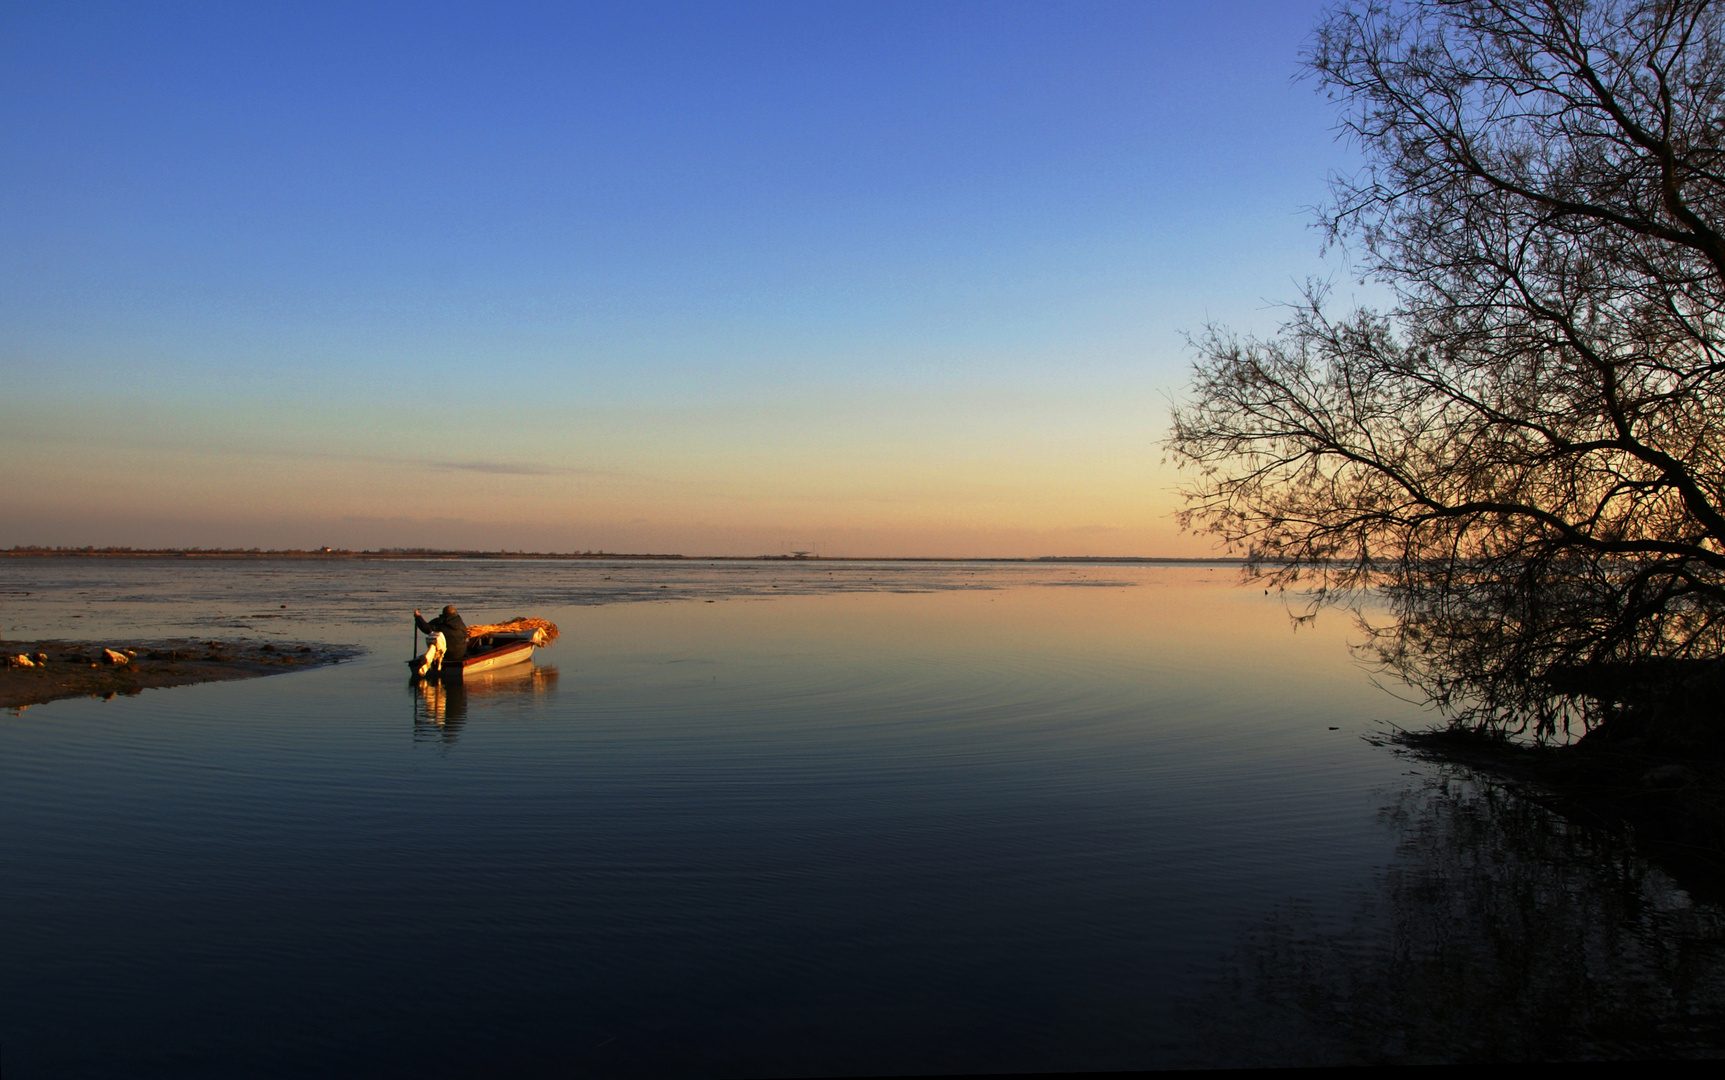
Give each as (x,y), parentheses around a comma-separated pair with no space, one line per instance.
(415,553)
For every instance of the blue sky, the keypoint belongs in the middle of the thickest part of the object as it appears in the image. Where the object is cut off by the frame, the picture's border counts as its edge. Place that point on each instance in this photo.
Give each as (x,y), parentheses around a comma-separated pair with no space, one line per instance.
(888,278)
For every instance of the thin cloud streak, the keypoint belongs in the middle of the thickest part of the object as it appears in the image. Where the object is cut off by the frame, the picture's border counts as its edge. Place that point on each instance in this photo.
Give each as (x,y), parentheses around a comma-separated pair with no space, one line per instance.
(499,468)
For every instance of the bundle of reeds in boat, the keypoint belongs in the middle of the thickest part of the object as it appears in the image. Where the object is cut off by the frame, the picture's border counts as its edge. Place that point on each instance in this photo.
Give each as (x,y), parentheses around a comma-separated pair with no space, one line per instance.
(543,631)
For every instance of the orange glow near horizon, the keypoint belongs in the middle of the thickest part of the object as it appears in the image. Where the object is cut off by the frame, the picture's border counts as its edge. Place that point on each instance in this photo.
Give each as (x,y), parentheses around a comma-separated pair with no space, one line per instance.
(970,480)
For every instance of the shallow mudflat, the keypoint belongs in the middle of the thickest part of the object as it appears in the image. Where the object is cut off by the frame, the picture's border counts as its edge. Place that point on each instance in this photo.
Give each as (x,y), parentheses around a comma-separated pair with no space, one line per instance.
(69,669)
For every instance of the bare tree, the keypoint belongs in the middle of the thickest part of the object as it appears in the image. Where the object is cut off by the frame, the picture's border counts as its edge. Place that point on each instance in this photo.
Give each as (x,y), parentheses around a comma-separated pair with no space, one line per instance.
(1526,455)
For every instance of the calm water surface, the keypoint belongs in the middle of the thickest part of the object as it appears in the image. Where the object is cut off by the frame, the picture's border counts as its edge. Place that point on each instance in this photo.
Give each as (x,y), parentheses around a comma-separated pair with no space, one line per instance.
(753,819)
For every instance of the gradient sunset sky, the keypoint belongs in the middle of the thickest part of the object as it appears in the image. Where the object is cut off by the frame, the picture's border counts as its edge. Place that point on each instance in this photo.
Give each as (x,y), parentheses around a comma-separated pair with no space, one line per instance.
(714,278)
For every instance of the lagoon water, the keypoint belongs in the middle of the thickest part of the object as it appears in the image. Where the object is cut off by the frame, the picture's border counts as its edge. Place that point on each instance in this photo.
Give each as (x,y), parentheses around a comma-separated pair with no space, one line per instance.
(796,819)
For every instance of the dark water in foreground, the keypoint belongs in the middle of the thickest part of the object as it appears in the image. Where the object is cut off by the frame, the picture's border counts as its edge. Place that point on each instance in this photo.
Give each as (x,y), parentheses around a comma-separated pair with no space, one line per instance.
(788,819)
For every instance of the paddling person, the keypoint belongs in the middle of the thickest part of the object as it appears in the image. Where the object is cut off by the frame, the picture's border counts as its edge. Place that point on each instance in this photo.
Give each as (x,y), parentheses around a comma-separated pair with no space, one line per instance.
(446,638)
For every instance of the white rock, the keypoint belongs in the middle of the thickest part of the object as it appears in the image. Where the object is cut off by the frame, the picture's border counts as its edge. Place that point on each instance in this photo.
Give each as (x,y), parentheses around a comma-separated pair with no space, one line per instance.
(117,657)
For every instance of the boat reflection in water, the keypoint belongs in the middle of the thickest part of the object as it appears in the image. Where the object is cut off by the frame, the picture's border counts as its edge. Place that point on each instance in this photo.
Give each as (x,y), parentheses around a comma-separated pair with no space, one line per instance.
(441,706)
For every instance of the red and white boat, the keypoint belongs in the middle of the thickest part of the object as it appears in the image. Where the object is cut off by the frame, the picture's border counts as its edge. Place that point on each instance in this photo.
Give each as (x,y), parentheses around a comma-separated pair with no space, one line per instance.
(500,654)
(490,651)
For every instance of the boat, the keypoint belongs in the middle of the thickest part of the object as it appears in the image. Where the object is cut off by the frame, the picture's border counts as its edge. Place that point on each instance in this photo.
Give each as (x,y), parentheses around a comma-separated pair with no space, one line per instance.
(493,647)
(500,654)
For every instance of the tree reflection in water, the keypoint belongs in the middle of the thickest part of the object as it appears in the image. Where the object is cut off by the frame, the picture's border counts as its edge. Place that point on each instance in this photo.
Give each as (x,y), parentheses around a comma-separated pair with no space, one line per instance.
(440,707)
(1500,931)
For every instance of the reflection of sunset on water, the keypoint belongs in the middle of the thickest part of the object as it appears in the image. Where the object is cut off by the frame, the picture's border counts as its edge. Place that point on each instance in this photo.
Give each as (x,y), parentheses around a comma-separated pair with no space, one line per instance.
(1045,801)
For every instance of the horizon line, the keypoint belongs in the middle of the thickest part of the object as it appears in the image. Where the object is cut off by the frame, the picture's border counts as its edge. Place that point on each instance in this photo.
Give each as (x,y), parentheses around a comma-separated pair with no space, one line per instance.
(87,551)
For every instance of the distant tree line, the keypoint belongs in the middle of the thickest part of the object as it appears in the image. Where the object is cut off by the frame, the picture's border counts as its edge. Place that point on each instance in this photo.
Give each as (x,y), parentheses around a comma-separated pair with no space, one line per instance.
(434,553)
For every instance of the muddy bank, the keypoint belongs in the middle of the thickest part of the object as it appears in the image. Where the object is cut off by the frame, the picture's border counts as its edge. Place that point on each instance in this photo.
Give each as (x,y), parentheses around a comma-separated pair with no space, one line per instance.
(67,669)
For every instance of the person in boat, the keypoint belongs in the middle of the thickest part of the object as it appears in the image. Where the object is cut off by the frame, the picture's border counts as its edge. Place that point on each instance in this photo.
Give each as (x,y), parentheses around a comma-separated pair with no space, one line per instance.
(446,638)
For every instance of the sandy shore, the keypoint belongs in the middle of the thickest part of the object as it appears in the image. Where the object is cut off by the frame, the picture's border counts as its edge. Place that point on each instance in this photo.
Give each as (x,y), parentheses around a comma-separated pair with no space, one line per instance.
(83,669)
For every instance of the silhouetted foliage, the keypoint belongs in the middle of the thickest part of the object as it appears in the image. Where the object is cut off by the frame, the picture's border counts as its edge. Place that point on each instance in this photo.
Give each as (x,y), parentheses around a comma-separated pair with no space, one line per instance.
(1526,455)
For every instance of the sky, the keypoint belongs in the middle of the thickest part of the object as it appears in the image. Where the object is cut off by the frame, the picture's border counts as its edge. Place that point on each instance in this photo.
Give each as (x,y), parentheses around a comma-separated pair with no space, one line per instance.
(710,278)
